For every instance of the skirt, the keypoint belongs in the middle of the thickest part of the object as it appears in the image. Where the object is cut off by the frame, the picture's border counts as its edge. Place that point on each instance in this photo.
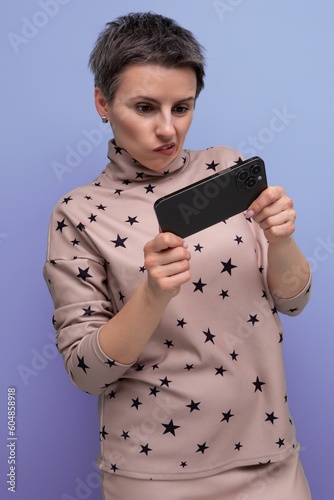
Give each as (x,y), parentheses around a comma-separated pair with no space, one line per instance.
(283,480)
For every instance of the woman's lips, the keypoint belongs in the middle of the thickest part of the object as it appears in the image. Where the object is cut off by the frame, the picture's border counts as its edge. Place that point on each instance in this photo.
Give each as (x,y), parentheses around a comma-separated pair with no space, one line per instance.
(167,149)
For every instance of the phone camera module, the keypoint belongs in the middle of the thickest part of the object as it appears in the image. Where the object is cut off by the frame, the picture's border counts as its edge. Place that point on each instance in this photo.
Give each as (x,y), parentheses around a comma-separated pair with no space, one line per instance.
(256,169)
(242,176)
(251,182)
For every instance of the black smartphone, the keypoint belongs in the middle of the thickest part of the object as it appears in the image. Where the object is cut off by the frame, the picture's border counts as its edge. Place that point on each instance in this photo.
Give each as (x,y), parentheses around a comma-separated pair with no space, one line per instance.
(212,199)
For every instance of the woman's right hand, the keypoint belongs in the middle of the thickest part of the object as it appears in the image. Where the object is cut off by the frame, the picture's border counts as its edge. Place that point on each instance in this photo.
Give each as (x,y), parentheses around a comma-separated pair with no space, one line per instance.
(167,264)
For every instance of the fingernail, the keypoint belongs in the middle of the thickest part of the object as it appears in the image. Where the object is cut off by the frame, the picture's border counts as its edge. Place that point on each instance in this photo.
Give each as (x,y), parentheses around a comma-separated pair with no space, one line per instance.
(249,214)
(185,244)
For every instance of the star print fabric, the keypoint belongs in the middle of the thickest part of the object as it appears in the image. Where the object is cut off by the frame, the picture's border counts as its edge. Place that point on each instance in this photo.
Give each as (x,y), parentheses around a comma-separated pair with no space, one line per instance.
(208,391)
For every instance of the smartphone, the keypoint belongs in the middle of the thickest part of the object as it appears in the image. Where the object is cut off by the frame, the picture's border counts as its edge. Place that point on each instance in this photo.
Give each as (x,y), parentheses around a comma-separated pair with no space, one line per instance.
(212,199)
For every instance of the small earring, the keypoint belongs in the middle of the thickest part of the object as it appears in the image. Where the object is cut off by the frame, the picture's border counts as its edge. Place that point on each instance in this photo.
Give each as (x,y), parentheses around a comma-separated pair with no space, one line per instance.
(104,119)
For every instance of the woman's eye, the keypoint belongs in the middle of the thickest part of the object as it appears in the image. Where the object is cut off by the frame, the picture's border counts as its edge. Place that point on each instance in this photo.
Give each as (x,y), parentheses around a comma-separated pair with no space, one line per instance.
(144,108)
(180,110)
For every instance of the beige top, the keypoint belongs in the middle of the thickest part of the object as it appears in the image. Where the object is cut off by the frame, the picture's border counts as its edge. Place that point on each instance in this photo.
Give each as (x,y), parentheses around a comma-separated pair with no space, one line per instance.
(208,391)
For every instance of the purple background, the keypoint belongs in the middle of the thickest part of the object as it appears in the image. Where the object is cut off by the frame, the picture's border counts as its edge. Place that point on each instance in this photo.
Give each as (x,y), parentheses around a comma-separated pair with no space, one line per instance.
(264,58)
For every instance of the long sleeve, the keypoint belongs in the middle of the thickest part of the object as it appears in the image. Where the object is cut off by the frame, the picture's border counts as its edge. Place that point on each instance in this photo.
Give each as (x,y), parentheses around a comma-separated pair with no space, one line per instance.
(77,281)
(289,306)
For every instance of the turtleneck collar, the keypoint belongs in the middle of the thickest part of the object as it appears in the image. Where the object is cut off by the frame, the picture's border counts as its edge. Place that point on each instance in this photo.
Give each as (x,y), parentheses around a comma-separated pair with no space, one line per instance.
(122,166)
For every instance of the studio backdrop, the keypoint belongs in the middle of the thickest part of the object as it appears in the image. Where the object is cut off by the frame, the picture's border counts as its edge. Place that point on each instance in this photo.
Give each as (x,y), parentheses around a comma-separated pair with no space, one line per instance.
(269,92)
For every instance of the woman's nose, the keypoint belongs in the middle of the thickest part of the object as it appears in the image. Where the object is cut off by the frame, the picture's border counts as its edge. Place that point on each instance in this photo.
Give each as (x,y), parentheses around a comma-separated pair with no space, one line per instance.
(165,126)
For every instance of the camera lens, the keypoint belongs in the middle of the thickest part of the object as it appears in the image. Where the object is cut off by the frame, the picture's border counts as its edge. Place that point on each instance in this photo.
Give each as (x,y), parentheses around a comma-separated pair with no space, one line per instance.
(256,169)
(251,182)
(242,176)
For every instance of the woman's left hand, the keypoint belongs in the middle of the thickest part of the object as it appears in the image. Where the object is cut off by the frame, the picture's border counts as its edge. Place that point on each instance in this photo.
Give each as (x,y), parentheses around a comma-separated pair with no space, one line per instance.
(273,211)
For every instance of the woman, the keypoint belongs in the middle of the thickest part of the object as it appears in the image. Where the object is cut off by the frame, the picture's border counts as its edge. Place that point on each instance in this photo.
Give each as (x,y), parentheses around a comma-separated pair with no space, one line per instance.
(180,340)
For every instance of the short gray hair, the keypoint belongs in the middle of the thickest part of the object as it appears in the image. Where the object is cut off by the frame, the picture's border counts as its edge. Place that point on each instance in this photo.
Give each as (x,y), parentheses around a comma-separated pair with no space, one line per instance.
(143,38)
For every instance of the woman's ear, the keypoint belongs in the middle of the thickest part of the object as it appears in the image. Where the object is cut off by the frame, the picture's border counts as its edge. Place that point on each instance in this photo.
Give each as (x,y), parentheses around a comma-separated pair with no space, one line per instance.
(101,105)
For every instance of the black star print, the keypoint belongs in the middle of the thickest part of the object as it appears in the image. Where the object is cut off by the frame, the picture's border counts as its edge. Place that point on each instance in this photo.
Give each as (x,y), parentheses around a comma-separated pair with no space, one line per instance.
(271,417)
(193,406)
(149,188)
(119,242)
(238,239)
(136,403)
(101,207)
(154,391)
(164,381)
(280,337)
(66,200)
(220,371)
(121,297)
(118,191)
(227,416)
(61,225)
(145,449)
(209,336)
(139,175)
(112,394)
(238,446)
(202,447)
(294,309)
(89,197)
(97,184)
(199,285)
(280,442)
(92,218)
(198,248)
(181,322)
(125,435)
(170,428)
(234,355)
(118,151)
(113,467)
(228,266)
(189,367)
(212,166)
(183,464)
(142,269)
(274,310)
(89,311)
(82,364)
(75,242)
(238,161)
(264,294)
(258,384)
(155,366)
(253,319)
(81,227)
(107,385)
(110,362)
(169,343)
(261,269)
(139,367)
(83,273)
(103,433)
(127,182)
(132,220)
(224,294)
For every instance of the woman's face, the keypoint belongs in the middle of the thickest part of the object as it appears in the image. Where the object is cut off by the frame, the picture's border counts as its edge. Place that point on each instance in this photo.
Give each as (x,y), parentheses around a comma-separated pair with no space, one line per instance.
(151,112)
